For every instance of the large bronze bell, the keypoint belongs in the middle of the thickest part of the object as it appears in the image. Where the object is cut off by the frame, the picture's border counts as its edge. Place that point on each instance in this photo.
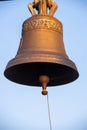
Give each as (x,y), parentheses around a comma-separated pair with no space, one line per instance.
(41,50)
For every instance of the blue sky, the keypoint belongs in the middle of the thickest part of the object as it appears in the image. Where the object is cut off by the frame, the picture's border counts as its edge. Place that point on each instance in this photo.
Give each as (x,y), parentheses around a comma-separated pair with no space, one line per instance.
(23,107)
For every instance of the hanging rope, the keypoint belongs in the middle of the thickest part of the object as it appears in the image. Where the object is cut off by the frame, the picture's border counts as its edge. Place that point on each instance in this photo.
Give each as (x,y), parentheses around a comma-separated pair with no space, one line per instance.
(44,81)
(49,112)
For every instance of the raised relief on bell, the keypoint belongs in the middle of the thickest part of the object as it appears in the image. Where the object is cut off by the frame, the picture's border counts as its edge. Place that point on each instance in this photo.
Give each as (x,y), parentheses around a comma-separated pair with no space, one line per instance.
(27,26)
(42,24)
(34,23)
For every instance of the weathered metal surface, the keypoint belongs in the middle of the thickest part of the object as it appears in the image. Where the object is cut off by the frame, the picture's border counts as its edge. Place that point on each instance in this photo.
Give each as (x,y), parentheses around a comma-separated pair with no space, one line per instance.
(41,52)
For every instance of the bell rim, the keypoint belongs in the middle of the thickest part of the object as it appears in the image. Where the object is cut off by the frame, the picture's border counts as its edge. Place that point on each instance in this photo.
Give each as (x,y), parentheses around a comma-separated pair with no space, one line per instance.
(70,65)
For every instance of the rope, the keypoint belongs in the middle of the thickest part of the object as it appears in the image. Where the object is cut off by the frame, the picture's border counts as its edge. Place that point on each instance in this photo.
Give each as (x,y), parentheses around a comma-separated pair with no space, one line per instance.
(49,112)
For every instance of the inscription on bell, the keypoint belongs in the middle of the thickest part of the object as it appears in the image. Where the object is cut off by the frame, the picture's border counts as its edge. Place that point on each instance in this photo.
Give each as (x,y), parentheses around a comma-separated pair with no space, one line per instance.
(42,23)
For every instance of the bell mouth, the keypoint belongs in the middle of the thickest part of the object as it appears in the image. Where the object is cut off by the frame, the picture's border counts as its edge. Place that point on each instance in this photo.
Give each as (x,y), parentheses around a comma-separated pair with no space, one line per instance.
(29,73)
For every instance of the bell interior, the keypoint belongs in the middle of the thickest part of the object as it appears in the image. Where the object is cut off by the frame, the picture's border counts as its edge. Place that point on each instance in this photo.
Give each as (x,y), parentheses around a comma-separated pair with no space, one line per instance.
(29,73)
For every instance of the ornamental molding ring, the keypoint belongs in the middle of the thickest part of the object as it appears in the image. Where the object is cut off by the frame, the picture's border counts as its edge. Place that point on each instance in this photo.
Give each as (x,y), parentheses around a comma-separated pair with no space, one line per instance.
(31,24)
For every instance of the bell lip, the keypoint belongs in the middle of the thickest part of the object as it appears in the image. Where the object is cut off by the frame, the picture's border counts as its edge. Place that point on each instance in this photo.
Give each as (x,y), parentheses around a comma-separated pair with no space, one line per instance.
(68,63)
(42,57)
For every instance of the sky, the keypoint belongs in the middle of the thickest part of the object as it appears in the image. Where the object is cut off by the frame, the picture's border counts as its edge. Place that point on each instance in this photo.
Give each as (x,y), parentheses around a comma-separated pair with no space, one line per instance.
(23,107)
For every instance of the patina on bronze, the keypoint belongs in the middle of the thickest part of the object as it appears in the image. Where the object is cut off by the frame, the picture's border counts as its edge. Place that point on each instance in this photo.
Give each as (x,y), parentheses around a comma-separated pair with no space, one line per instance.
(41,51)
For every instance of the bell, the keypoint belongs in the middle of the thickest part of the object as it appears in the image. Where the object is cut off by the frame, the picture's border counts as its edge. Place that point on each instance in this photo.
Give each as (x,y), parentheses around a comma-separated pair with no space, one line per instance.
(41,51)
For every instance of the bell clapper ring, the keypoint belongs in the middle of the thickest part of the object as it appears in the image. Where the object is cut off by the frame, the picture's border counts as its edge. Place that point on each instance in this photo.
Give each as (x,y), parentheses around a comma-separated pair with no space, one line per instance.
(44,79)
